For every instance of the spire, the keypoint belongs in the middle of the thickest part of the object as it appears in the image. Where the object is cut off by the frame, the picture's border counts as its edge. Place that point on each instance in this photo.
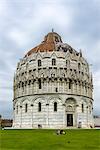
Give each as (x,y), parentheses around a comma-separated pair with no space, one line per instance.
(52,30)
(80,53)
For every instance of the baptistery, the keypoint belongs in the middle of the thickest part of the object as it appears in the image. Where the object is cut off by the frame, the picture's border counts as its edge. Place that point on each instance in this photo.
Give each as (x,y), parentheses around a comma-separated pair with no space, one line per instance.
(53,87)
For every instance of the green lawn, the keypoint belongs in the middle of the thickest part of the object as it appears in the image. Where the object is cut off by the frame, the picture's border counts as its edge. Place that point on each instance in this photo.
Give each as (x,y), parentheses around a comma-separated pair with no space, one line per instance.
(48,140)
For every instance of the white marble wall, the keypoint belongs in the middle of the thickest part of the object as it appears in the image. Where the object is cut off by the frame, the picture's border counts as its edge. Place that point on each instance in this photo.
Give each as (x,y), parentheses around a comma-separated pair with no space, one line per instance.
(47,117)
(52,77)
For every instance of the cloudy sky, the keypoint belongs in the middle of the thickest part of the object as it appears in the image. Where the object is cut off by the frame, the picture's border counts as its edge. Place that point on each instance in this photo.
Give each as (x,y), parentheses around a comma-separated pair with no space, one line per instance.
(24,23)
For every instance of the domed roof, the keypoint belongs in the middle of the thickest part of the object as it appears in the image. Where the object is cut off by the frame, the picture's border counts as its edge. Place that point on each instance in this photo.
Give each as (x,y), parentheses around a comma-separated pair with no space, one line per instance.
(50,40)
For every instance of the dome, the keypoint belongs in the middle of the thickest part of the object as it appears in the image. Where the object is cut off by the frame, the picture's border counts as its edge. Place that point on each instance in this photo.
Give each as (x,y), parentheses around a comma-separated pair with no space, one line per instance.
(48,44)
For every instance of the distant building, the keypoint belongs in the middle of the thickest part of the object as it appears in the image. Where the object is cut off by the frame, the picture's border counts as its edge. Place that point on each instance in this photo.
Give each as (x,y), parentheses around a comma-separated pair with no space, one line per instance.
(0,120)
(53,87)
(97,121)
(6,123)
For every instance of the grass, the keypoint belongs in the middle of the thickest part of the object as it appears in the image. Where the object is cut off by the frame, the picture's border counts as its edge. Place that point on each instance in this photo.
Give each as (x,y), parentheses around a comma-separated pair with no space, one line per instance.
(48,140)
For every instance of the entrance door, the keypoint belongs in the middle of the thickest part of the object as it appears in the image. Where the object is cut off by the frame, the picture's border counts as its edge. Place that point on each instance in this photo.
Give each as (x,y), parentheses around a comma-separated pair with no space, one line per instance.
(69,119)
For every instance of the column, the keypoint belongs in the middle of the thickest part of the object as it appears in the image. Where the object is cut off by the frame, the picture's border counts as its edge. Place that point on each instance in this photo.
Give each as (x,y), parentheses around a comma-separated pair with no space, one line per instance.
(20,116)
(47,114)
(32,113)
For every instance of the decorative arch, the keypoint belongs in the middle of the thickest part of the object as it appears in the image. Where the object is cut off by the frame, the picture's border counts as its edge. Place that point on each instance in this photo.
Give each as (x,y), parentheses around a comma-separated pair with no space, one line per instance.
(70,99)
(17,106)
(55,99)
(68,56)
(38,99)
(70,104)
(17,102)
(38,56)
(53,55)
(25,100)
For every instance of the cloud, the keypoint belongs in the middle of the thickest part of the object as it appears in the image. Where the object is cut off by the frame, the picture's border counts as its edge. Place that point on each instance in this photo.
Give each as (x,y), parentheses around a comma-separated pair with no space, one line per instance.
(96,92)
(19,37)
(6,109)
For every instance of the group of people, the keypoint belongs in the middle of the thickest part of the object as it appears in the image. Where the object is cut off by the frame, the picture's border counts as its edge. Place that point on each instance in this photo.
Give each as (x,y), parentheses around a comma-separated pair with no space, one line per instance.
(60,132)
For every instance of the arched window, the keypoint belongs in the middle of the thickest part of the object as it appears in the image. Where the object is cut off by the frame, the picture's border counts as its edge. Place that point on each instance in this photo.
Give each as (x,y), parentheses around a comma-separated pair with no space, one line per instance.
(56,89)
(39,83)
(56,39)
(86,89)
(29,82)
(79,66)
(55,106)
(90,109)
(26,108)
(39,106)
(70,84)
(17,109)
(39,63)
(66,63)
(82,108)
(53,62)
